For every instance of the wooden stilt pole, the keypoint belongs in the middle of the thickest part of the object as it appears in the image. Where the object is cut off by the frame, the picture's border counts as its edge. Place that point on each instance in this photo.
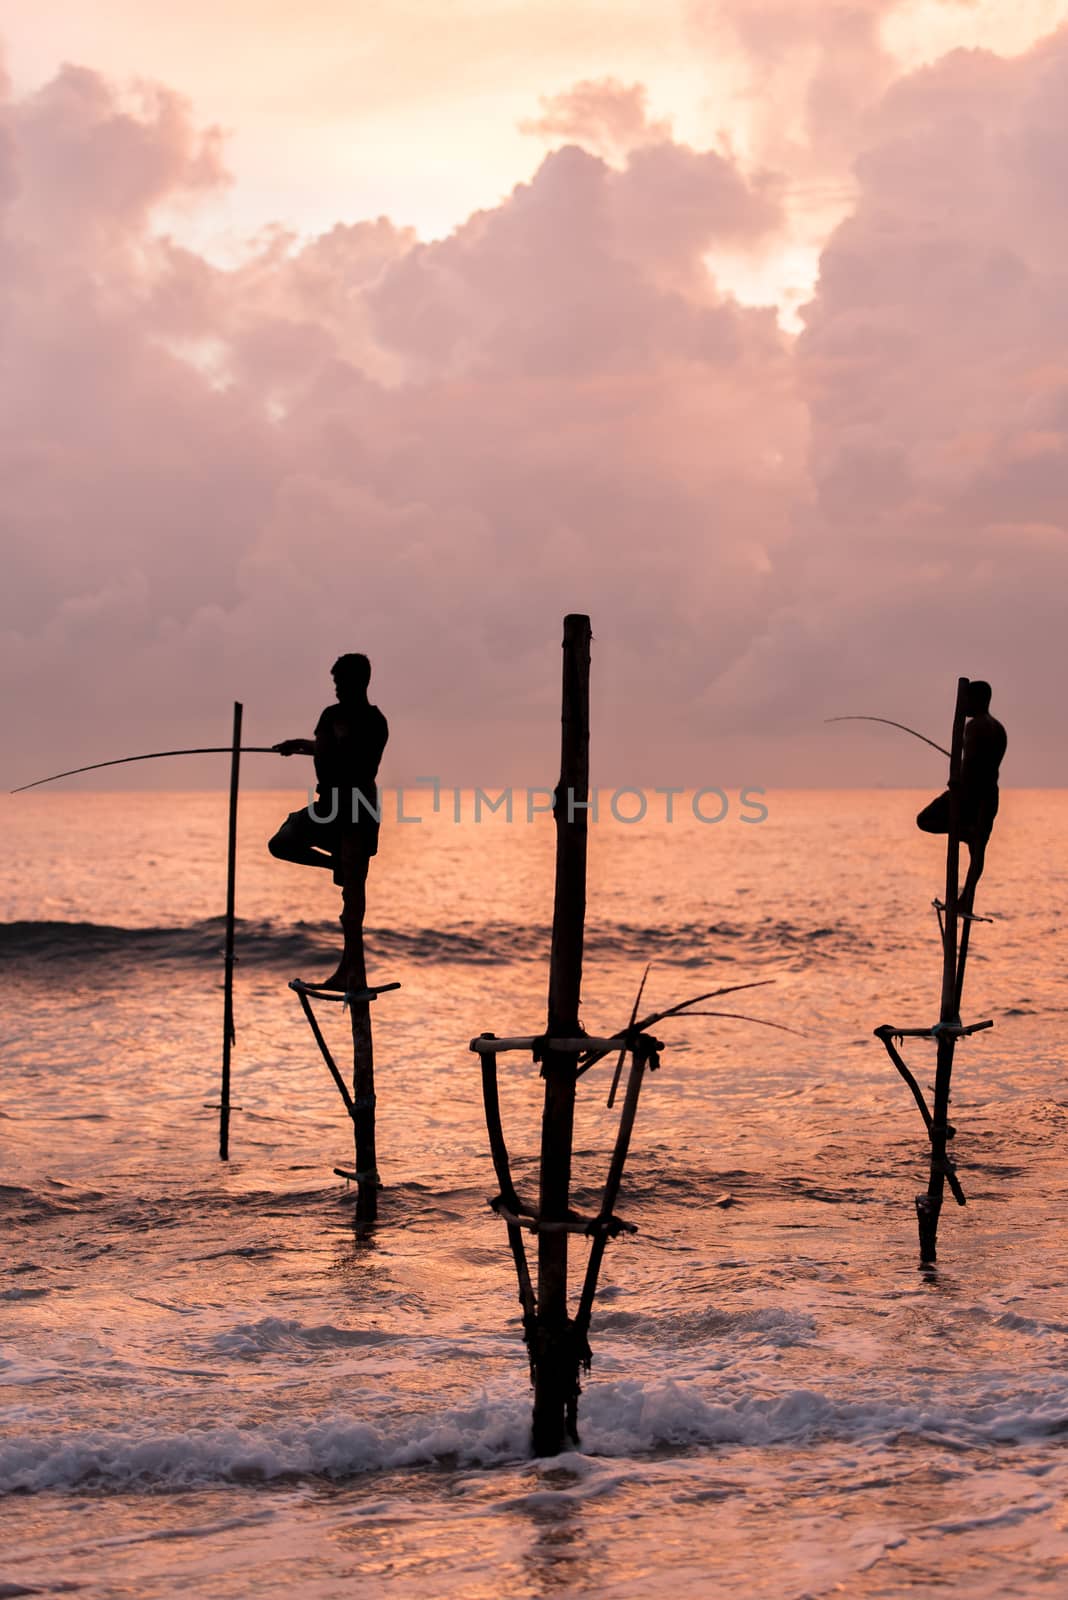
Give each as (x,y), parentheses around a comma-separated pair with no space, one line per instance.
(556,1343)
(363,1094)
(929,1205)
(556,1356)
(229,958)
(962,960)
(354,871)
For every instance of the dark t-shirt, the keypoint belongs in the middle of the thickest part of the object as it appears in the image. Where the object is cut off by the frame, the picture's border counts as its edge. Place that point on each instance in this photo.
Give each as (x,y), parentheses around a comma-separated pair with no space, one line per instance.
(985,742)
(349,741)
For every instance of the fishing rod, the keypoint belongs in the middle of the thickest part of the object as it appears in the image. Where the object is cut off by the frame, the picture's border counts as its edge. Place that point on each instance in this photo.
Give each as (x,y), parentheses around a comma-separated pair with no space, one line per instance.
(154,755)
(887,721)
(235,750)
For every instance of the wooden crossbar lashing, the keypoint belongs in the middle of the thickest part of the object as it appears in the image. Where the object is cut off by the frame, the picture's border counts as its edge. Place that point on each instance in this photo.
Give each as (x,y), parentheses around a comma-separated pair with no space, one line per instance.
(887,1030)
(342,996)
(488,1044)
(962,916)
(574,1224)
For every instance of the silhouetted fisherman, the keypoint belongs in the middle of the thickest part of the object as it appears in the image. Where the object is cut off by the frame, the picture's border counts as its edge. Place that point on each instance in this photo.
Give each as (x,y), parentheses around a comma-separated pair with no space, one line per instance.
(984,749)
(340,831)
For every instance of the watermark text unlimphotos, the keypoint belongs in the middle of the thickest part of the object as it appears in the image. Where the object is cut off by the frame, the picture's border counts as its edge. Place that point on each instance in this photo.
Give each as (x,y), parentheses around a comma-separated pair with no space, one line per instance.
(625,806)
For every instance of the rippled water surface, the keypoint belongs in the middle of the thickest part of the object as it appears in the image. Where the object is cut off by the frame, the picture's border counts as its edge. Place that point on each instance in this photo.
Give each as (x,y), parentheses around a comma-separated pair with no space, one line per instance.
(212,1387)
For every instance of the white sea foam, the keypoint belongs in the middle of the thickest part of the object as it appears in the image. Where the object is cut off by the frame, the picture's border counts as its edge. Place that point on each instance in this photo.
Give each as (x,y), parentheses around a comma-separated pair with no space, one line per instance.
(333,1447)
(621,1419)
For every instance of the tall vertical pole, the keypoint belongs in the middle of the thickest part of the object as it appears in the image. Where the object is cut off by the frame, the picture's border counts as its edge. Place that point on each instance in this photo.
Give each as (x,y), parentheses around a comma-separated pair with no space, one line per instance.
(556,1353)
(929,1205)
(228,967)
(354,900)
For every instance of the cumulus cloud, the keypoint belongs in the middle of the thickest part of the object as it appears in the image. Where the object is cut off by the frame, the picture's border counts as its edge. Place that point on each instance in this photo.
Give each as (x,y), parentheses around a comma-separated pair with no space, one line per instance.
(935,369)
(431,451)
(219,478)
(814,70)
(601,114)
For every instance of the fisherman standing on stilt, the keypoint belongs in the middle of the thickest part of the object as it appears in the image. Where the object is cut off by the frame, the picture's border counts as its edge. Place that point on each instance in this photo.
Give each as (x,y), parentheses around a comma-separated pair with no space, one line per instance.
(985,741)
(340,832)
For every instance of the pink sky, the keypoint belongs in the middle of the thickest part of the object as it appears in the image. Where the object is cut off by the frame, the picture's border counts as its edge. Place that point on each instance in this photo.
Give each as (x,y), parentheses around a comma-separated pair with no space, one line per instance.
(409,328)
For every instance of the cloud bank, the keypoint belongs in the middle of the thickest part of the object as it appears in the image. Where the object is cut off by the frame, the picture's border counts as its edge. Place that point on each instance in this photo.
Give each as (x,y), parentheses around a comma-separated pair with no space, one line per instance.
(218,478)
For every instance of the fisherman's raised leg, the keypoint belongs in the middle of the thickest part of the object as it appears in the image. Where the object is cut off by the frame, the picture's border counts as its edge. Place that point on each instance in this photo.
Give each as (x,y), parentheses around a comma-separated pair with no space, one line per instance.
(935,817)
(297,840)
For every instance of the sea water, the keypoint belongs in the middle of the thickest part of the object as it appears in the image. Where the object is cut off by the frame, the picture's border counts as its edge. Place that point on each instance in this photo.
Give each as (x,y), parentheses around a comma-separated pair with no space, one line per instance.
(212,1387)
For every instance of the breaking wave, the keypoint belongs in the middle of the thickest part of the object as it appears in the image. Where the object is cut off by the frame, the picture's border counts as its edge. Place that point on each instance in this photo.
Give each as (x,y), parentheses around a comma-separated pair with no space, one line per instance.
(621,1419)
(492,943)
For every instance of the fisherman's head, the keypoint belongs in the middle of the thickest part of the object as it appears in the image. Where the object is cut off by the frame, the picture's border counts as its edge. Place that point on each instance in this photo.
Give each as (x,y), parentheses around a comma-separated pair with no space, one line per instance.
(351,676)
(977,699)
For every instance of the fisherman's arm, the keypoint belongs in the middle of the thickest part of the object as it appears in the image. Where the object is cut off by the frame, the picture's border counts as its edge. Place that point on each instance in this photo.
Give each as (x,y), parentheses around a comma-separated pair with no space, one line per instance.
(295,747)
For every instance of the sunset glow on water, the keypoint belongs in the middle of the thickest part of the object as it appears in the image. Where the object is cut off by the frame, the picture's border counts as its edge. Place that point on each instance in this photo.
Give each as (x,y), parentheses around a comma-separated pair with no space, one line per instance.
(387,333)
(211,1388)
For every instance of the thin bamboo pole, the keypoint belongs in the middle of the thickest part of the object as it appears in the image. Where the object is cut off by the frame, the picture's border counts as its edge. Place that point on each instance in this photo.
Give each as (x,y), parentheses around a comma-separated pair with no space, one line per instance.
(929,1205)
(556,1356)
(229,1035)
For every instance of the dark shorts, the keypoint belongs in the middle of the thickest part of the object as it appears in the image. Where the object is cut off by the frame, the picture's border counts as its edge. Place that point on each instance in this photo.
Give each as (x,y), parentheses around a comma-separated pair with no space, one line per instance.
(304,828)
(348,847)
(977,813)
(309,826)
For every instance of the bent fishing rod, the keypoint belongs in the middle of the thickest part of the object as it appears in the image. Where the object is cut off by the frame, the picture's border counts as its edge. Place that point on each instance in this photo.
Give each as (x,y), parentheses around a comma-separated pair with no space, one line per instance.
(272,750)
(890,724)
(153,755)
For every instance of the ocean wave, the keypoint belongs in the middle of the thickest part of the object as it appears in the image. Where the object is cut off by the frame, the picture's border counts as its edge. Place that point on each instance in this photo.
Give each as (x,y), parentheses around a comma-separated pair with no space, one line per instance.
(269,943)
(626,1418)
(272,1334)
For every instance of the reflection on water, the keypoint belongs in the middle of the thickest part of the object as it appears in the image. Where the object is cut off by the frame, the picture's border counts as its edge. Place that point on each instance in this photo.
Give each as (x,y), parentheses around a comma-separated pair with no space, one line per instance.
(211,1387)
